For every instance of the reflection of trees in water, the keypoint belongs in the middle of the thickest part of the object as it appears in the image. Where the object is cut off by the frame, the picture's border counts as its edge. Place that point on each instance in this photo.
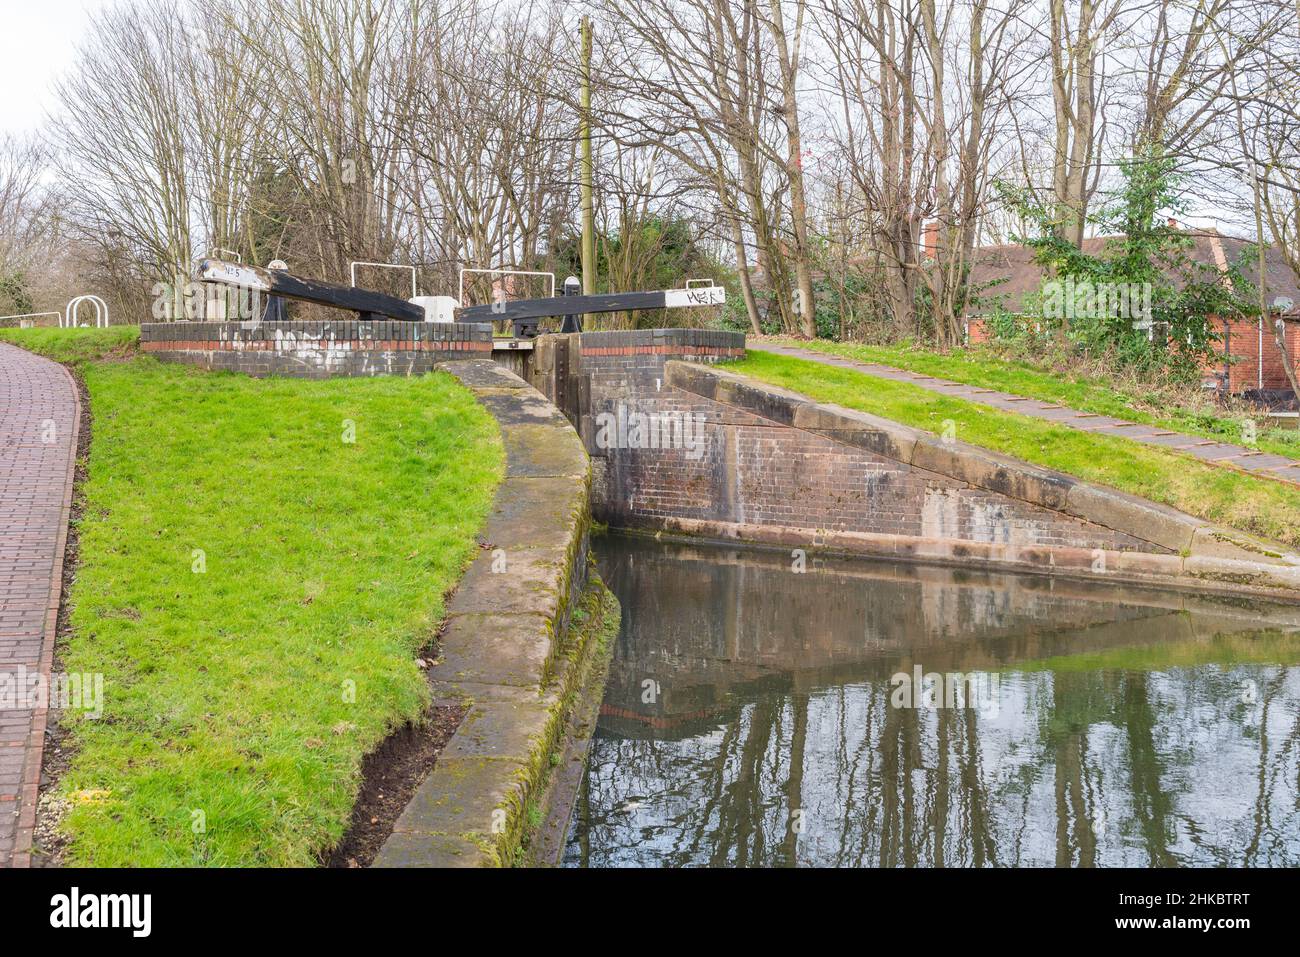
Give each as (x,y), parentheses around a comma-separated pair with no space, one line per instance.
(1080,768)
(776,700)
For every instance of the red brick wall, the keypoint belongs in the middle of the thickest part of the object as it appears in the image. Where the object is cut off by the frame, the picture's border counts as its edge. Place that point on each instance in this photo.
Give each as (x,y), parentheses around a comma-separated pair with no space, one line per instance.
(755,471)
(1241,339)
(977,331)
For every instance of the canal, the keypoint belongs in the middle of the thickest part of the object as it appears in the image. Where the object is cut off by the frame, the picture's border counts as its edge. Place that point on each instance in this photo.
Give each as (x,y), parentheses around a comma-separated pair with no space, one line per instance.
(765,709)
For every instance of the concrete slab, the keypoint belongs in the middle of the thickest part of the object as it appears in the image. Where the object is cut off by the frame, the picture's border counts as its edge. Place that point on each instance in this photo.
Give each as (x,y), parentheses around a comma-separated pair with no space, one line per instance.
(495,649)
(536,512)
(531,450)
(430,850)
(485,375)
(516,726)
(525,580)
(458,799)
(1214,453)
(1148,521)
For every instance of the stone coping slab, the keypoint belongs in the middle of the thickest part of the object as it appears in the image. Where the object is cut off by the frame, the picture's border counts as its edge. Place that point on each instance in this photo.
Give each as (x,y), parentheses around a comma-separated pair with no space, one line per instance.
(503,644)
(1201,552)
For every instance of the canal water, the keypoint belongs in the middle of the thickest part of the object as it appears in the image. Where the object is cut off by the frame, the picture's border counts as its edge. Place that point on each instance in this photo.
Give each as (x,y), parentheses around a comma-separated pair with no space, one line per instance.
(767,711)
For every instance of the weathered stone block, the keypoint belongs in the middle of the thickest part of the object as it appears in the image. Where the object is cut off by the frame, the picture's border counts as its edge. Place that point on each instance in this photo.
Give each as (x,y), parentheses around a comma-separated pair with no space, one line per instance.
(517,725)
(531,450)
(525,581)
(458,799)
(430,850)
(1149,521)
(1213,542)
(989,470)
(495,649)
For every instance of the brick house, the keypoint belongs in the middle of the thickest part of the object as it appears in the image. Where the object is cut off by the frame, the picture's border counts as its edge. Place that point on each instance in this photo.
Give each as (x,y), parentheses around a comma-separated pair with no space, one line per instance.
(1248,360)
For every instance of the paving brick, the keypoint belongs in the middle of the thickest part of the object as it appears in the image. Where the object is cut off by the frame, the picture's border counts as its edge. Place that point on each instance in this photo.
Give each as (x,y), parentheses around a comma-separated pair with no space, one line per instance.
(38,444)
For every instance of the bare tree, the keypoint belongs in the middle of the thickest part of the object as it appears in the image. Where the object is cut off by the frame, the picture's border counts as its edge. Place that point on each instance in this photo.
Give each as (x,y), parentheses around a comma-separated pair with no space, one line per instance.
(789,46)
(1076,67)
(124,137)
(707,93)
(922,114)
(28,223)
(486,139)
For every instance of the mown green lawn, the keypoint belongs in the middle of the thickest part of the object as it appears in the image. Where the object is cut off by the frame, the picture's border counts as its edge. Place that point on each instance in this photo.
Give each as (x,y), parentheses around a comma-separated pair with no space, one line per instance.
(1261,506)
(254,588)
(986,370)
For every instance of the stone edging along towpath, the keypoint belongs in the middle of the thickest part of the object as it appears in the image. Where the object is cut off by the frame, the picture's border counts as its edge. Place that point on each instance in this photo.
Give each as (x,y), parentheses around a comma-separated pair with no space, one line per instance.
(508,649)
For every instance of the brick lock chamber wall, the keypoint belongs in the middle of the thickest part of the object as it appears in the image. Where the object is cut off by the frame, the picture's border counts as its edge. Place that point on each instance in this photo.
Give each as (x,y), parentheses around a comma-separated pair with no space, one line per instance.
(317,349)
(755,471)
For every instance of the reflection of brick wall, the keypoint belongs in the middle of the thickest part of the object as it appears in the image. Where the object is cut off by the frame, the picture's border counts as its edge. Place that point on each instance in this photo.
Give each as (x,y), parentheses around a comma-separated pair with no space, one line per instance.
(317,349)
(756,471)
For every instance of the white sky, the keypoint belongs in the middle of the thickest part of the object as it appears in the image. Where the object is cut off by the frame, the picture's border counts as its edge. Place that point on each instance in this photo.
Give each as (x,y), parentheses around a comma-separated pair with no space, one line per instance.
(37,43)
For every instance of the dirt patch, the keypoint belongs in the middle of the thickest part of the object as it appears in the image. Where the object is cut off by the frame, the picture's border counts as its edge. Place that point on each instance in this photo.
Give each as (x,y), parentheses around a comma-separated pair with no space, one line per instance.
(392,773)
(48,842)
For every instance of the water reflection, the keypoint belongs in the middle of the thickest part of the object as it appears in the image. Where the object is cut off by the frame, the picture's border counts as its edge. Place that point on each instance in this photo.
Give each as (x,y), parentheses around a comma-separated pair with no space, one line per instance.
(748,720)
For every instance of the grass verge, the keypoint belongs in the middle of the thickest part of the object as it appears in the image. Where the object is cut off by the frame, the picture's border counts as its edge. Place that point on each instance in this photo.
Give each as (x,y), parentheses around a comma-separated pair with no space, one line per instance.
(260,562)
(1259,506)
(986,369)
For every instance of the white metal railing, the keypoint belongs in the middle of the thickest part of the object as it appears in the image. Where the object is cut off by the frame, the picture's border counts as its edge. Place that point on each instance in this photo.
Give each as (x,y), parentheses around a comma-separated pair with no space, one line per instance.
(460,295)
(385,266)
(69,319)
(33,315)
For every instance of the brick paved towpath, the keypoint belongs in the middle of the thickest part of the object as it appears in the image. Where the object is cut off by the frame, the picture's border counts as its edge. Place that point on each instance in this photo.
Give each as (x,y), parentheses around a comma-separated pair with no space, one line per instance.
(1208,450)
(39,411)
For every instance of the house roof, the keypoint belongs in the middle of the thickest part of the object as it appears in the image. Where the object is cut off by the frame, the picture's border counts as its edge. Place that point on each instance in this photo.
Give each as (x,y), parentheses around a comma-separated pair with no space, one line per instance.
(1005,275)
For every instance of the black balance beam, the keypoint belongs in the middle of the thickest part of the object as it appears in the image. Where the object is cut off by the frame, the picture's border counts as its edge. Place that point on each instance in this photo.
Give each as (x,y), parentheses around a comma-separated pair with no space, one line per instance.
(582,305)
(277,283)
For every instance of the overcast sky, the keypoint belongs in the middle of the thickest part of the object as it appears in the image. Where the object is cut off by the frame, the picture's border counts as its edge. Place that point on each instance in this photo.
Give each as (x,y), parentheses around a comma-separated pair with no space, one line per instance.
(39,41)
(36,45)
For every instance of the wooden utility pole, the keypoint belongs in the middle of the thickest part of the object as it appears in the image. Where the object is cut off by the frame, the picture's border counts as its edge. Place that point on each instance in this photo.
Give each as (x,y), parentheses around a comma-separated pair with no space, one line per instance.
(588,215)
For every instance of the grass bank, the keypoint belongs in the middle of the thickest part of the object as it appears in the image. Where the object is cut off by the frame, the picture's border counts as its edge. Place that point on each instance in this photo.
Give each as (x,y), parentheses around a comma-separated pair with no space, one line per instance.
(260,562)
(1260,506)
(76,346)
(986,369)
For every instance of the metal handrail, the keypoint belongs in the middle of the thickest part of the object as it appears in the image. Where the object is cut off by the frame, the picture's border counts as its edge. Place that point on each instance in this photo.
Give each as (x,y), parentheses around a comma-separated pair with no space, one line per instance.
(31,315)
(460,293)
